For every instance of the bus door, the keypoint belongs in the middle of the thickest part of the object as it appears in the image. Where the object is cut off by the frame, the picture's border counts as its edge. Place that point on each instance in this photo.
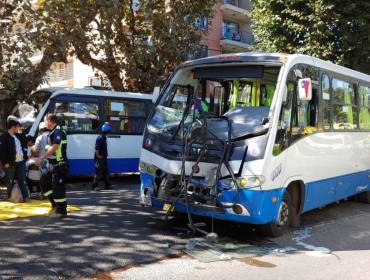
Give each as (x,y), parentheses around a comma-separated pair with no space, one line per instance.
(80,117)
(126,118)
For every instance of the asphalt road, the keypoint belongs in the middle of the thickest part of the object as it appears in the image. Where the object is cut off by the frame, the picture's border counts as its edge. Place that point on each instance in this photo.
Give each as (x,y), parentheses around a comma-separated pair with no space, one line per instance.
(112,232)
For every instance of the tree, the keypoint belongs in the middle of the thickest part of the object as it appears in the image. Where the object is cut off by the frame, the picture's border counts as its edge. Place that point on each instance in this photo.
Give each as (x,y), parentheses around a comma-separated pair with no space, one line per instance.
(22,33)
(131,42)
(334,30)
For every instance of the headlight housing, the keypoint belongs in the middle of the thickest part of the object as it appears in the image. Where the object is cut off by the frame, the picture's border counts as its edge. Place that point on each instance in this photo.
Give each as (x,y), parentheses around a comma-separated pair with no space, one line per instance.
(245,182)
(150,168)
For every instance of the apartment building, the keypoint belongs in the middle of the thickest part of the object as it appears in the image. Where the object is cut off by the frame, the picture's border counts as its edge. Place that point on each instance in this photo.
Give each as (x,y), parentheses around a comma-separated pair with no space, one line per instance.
(229,31)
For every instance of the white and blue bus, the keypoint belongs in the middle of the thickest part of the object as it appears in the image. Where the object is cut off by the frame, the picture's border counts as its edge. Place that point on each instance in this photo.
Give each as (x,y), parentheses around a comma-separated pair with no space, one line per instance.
(84,111)
(257,138)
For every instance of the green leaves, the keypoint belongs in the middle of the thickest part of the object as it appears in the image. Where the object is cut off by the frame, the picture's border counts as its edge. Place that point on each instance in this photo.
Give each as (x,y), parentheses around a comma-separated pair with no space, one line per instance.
(19,40)
(122,39)
(335,30)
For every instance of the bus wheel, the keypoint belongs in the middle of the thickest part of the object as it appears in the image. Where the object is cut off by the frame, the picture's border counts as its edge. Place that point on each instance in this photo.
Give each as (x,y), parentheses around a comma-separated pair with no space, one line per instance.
(279,227)
(364,197)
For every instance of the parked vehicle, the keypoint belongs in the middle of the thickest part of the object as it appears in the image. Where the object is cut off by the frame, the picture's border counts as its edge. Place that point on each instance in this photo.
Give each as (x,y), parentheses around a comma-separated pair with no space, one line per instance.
(83,112)
(259,138)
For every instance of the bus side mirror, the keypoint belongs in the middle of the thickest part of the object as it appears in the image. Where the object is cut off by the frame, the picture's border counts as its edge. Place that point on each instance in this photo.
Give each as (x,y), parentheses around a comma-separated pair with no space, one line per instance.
(156,94)
(305,89)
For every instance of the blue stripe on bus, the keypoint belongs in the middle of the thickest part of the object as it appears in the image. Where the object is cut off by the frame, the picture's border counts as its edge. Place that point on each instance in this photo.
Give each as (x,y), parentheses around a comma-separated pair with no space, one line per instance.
(253,201)
(327,191)
(87,166)
(262,210)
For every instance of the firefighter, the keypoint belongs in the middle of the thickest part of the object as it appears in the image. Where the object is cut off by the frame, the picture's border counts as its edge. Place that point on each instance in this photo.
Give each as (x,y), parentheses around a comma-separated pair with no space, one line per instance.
(53,175)
(101,160)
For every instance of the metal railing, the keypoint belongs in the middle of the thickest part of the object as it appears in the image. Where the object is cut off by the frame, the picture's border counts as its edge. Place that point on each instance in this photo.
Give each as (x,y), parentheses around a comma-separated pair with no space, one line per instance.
(244,4)
(57,75)
(237,35)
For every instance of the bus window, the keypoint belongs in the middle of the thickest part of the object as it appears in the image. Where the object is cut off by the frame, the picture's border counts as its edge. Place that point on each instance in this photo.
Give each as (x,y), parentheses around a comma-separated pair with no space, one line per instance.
(344,105)
(364,95)
(78,115)
(125,116)
(281,140)
(325,85)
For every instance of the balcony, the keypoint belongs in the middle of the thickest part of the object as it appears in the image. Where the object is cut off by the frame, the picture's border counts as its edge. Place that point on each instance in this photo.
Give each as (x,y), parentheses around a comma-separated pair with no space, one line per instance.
(235,10)
(234,40)
(58,75)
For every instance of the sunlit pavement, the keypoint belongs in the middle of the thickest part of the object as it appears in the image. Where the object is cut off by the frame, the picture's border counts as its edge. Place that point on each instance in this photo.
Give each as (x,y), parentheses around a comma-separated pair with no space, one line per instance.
(113,237)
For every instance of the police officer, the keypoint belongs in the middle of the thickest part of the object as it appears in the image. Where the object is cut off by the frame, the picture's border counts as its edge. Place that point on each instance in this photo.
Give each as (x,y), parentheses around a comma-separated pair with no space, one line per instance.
(53,175)
(101,160)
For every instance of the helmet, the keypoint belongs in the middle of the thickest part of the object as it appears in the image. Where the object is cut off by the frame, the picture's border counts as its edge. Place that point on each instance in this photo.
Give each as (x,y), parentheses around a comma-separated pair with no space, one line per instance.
(105,127)
(42,126)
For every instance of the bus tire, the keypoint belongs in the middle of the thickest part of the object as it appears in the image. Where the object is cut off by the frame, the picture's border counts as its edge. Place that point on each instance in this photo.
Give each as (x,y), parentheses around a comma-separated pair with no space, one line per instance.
(364,197)
(279,227)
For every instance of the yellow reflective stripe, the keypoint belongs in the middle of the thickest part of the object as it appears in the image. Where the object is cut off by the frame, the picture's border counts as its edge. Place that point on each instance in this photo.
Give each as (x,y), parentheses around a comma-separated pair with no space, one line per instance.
(48,193)
(60,200)
(58,152)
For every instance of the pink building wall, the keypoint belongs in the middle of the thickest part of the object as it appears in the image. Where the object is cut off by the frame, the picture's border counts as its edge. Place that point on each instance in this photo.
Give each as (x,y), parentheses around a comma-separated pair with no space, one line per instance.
(212,40)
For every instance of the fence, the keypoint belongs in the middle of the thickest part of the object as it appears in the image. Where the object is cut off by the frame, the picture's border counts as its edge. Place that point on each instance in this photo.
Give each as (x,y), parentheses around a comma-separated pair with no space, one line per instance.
(244,4)
(59,75)
(238,35)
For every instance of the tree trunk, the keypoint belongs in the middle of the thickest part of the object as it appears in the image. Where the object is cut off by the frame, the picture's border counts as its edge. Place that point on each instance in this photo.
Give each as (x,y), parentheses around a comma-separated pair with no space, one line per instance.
(6,107)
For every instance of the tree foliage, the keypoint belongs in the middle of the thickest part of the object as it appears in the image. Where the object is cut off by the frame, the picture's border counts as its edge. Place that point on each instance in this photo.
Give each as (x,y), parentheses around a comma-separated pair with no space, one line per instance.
(22,34)
(334,30)
(132,43)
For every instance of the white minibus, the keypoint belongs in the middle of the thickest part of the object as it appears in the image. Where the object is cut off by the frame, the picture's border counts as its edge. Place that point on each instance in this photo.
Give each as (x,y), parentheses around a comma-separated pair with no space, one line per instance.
(84,111)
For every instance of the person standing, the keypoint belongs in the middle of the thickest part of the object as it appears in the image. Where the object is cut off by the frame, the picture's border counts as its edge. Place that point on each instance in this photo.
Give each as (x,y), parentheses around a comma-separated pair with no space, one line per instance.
(12,157)
(40,144)
(52,179)
(101,160)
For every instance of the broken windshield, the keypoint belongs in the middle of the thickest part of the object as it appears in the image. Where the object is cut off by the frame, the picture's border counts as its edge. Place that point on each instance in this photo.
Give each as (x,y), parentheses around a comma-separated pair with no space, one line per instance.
(216,91)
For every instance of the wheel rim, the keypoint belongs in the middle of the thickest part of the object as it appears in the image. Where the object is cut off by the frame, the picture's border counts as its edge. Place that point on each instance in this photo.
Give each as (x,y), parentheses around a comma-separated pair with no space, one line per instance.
(283,214)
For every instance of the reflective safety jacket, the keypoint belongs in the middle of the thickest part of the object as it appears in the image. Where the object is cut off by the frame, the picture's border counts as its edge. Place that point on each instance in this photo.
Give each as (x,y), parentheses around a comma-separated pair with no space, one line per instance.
(58,136)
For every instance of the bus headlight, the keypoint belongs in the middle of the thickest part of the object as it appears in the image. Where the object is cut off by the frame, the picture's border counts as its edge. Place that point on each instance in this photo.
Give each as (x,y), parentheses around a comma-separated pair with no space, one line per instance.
(253,181)
(243,182)
(150,168)
(142,165)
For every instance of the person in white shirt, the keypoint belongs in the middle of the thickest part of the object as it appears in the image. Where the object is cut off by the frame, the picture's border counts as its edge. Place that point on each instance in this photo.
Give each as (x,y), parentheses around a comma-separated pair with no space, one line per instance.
(40,144)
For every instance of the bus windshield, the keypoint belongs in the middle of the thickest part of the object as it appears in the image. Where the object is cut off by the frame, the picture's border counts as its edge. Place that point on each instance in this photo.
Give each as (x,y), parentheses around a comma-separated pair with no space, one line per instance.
(233,91)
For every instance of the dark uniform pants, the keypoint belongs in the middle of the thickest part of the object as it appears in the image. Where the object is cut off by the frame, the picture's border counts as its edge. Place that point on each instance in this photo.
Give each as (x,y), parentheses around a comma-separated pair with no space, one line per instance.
(54,188)
(101,170)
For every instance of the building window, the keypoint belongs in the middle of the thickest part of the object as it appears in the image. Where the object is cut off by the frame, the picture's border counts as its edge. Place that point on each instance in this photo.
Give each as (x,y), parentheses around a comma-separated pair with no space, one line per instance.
(230,30)
(201,23)
(200,52)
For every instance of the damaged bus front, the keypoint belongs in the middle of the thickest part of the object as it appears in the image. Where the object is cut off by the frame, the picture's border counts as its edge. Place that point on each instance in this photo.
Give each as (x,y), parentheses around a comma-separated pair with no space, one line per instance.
(206,139)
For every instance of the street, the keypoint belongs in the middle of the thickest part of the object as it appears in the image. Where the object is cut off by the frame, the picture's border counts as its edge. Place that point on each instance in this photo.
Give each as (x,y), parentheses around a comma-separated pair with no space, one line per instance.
(113,237)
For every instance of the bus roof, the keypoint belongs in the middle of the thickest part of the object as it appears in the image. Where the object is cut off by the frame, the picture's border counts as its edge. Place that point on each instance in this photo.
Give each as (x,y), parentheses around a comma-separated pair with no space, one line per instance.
(238,57)
(93,92)
(275,57)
